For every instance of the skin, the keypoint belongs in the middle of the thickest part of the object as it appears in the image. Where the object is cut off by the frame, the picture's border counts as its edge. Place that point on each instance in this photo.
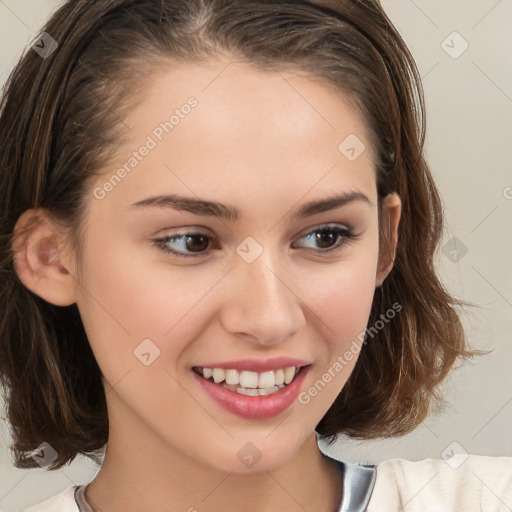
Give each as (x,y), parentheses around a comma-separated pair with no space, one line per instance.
(266,143)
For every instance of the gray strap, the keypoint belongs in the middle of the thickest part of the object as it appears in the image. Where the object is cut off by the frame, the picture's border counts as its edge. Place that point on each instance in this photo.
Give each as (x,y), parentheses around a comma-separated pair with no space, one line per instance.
(358,483)
(82,505)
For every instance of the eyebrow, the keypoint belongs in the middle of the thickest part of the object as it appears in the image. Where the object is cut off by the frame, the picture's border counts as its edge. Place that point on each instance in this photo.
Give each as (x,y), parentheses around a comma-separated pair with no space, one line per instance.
(232,213)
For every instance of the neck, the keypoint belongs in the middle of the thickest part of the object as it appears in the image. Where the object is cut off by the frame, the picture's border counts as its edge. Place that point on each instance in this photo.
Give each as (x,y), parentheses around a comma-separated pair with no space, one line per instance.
(143,472)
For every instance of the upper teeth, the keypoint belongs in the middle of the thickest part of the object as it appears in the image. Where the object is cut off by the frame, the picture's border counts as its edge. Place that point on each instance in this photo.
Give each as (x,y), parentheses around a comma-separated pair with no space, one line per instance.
(249,379)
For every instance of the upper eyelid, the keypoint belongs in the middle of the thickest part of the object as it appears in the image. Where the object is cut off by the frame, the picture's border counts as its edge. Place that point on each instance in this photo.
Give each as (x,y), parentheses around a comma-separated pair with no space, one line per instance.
(207,232)
(325,225)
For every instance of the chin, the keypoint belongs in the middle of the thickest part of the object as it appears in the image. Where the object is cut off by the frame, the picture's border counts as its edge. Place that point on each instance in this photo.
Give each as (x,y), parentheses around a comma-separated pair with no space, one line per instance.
(255,454)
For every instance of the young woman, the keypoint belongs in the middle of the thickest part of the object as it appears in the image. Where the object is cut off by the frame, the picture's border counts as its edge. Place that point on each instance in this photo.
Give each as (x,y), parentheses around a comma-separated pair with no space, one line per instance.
(218,230)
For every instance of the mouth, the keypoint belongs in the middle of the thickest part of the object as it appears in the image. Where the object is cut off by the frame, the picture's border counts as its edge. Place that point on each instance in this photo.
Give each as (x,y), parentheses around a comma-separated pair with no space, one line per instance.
(251,383)
(252,395)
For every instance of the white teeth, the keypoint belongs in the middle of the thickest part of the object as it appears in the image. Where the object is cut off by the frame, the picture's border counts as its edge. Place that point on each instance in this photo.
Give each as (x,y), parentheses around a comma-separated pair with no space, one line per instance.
(266,380)
(260,392)
(232,377)
(247,380)
(251,392)
(269,391)
(289,373)
(218,375)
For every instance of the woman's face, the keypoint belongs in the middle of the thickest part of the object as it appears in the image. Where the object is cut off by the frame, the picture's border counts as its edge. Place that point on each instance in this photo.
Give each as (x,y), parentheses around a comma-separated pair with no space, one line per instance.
(256,287)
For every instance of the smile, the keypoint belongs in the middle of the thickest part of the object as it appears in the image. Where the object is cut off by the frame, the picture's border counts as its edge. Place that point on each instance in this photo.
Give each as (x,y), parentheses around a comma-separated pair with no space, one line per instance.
(240,393)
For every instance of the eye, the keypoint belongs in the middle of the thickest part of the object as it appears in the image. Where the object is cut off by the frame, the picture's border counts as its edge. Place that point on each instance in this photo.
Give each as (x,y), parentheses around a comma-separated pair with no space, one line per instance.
(328,235)
(325,236)
(187,241)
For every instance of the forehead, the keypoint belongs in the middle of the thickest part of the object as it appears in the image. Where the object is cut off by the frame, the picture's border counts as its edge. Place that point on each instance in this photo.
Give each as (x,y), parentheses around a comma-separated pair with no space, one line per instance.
(248,130)
(235,96)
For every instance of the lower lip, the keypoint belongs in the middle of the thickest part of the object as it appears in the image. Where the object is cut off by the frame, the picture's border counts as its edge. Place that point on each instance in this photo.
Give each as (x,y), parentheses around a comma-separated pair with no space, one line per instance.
(254,407)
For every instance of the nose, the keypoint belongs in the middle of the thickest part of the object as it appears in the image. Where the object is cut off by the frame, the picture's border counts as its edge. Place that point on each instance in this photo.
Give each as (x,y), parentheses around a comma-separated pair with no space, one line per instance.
(262,303)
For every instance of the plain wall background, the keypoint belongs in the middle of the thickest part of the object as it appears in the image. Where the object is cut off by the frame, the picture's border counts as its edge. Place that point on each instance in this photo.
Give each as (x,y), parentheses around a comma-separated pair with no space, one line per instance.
(469,131)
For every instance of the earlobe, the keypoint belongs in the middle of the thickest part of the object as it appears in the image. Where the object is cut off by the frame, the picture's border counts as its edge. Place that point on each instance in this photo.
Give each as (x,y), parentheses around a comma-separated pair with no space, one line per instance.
(38,247)
(391,212)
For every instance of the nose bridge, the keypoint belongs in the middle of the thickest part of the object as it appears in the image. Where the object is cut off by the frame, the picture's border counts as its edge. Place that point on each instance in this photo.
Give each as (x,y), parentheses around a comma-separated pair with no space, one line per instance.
(265,304)
(266,284)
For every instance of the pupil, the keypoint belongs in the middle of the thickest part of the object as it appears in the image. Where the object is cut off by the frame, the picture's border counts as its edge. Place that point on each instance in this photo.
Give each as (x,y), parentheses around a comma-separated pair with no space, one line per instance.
(325,236)
(192,246)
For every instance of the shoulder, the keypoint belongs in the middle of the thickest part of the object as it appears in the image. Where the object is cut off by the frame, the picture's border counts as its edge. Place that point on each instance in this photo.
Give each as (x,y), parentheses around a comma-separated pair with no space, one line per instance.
(63,502)
(462,482)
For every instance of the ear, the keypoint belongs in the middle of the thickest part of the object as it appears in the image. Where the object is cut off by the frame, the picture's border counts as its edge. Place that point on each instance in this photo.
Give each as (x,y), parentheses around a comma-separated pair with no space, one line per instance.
(391,212)
(40,257)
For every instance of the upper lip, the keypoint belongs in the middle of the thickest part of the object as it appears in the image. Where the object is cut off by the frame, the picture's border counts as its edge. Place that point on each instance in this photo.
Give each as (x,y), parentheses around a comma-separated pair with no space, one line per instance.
(257,365)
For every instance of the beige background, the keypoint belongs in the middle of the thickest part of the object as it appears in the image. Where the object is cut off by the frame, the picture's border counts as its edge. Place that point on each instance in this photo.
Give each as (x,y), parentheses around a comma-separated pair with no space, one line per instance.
(469,120)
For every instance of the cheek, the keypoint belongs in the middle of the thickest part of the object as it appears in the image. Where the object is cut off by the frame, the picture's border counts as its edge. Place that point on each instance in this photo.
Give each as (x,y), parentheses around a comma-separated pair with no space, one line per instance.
(343,306)
(129,297)
(342,303)
(124,301)
(341,294)
(129,307)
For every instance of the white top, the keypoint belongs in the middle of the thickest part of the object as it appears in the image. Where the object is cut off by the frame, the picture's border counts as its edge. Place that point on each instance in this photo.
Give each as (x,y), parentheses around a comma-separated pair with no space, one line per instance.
(463,483)
(468,483)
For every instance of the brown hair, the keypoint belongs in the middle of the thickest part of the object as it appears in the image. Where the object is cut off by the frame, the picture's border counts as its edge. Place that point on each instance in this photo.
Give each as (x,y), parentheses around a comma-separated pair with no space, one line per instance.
(61,121)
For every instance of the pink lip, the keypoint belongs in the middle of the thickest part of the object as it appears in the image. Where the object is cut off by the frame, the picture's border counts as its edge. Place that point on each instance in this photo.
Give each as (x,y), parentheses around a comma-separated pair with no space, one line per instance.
(257,365)
(254,407)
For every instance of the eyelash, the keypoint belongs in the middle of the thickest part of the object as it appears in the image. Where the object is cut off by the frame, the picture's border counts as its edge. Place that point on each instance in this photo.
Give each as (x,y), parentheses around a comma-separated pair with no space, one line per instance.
(349,238)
